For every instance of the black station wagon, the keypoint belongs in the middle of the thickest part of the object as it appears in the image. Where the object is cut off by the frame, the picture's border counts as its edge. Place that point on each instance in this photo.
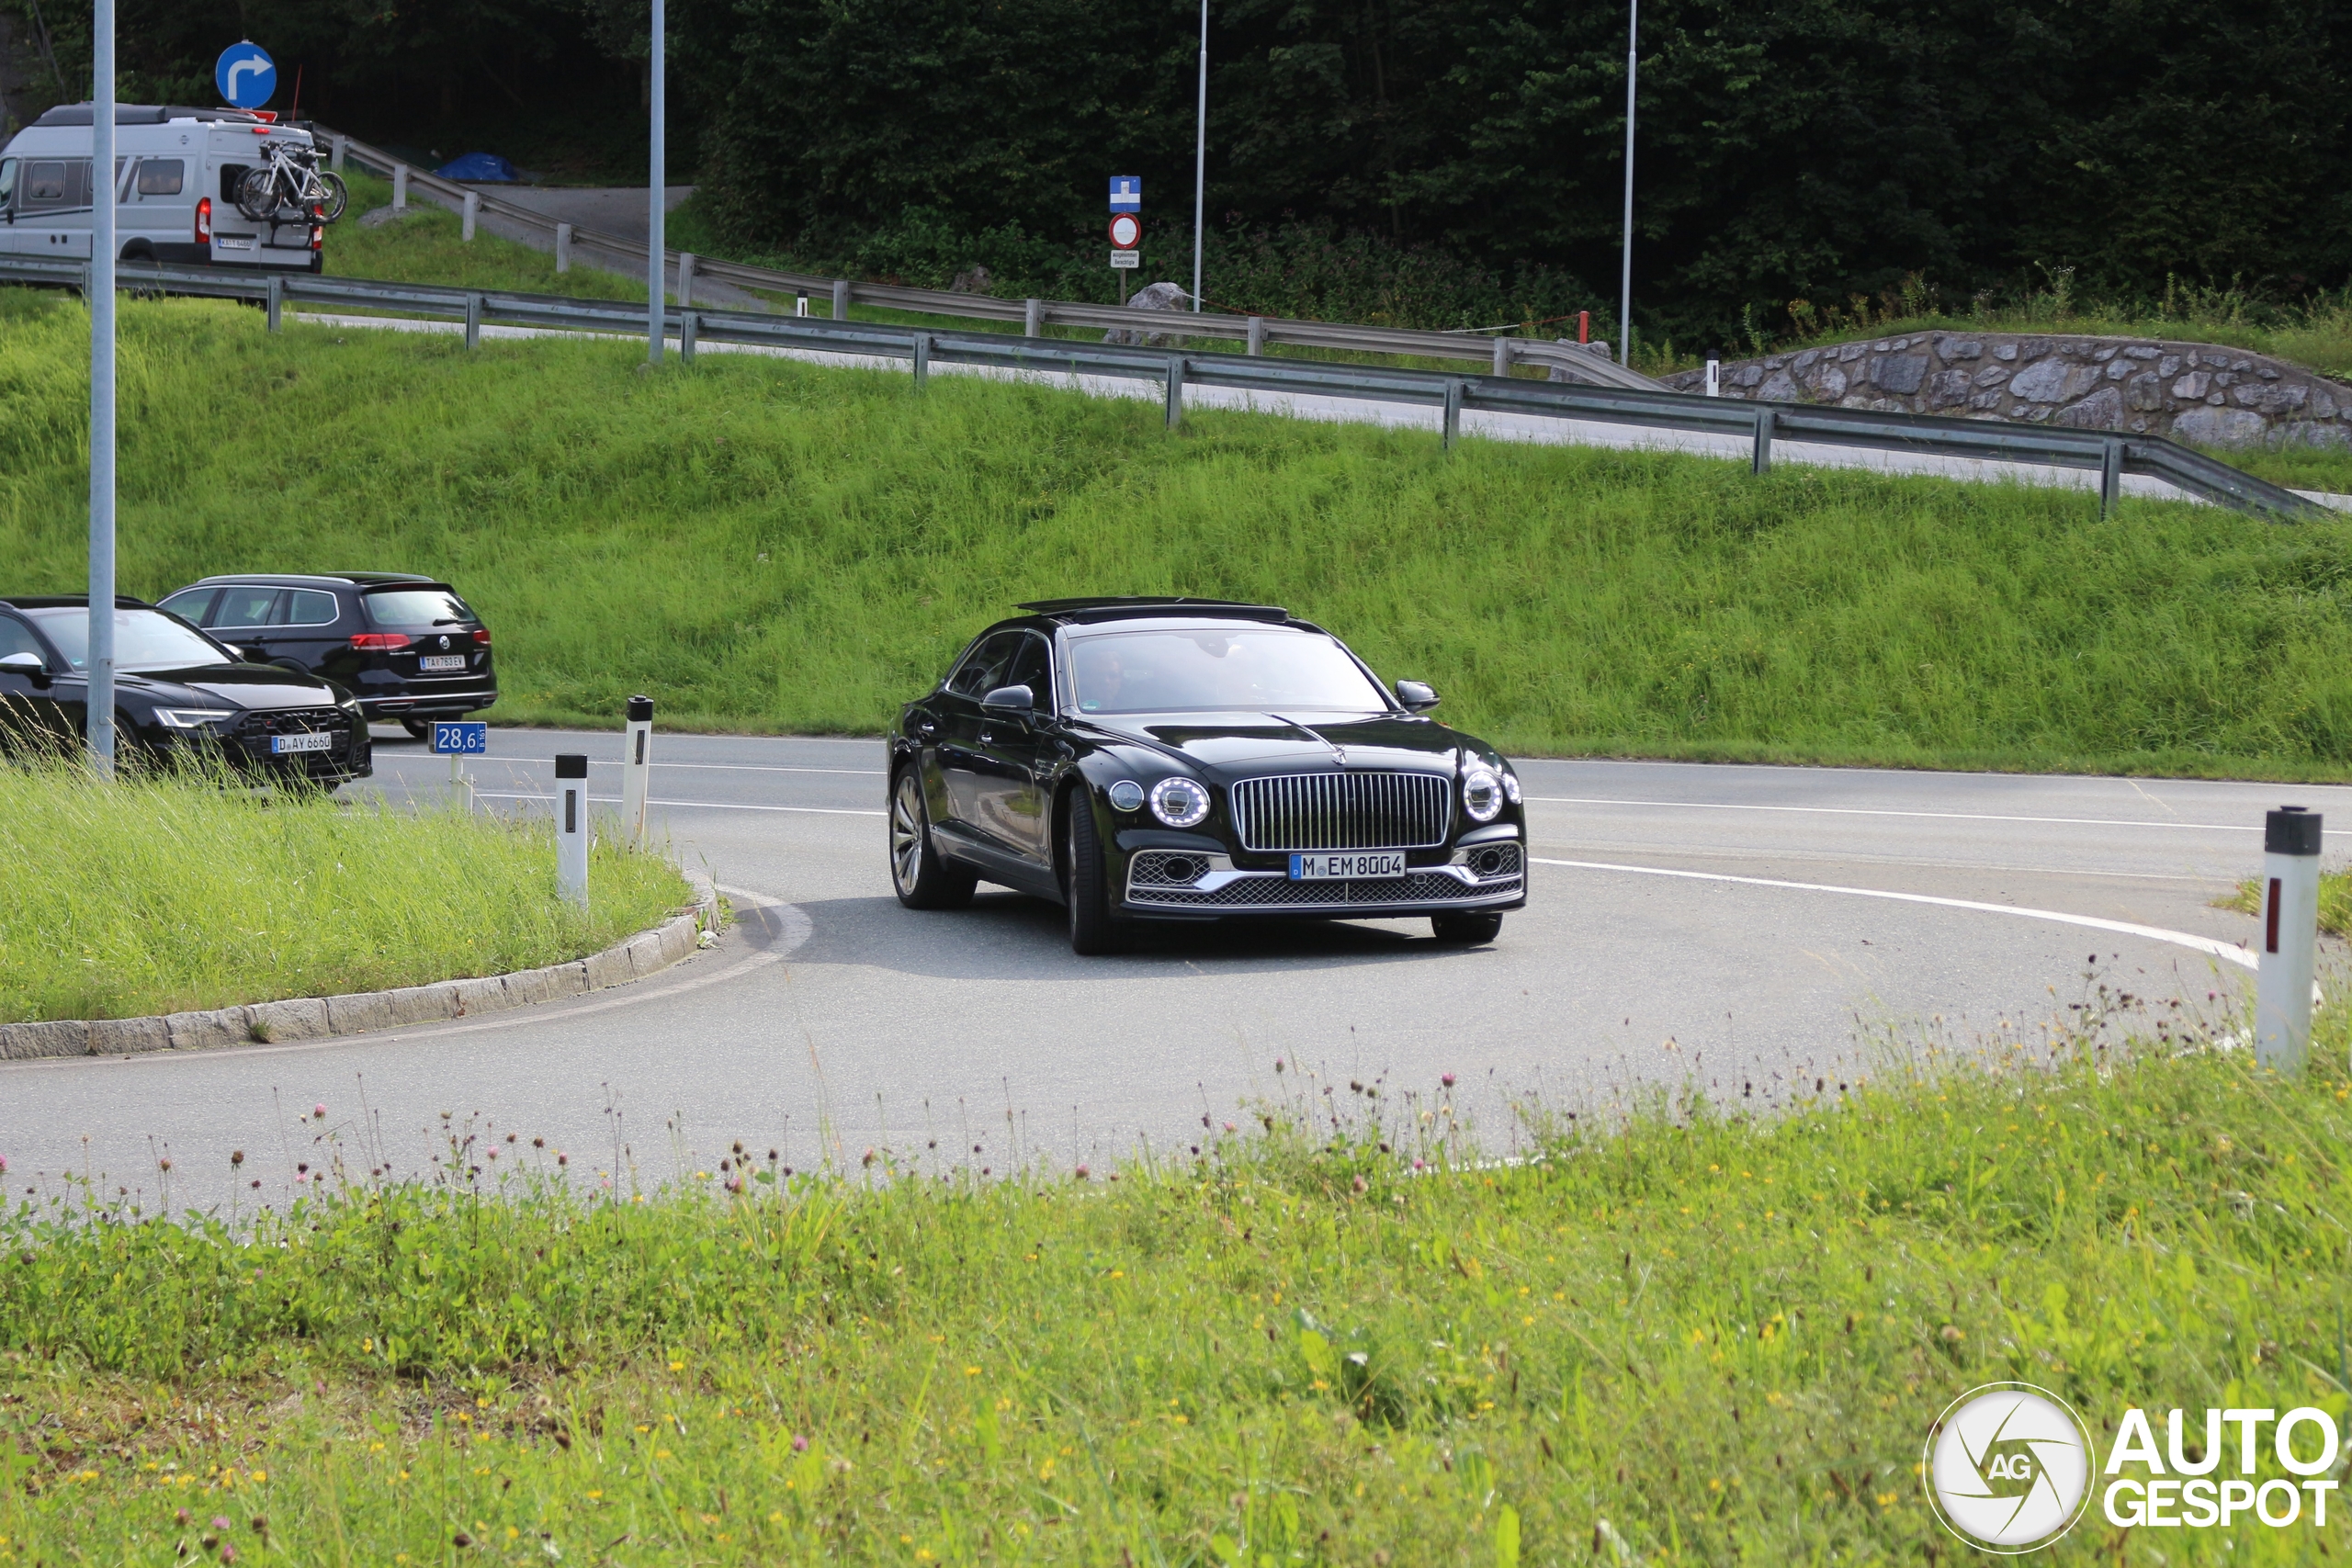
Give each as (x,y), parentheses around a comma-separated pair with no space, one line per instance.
(1156,760)
(407,647)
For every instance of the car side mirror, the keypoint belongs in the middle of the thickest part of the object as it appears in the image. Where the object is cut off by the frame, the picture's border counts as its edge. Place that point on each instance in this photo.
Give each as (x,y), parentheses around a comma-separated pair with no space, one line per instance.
(1417,696)
(31,666)
(1010,699)
(254,655)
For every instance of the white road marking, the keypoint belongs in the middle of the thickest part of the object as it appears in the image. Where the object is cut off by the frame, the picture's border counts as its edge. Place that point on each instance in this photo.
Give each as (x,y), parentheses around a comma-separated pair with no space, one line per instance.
(1870,811)
(606,762)
(690,805)
(2231,951)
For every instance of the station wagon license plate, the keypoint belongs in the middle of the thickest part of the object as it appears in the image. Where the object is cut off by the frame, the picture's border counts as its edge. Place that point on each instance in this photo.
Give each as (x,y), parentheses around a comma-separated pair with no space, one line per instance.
(438,663)
(1343,867)
(286,745)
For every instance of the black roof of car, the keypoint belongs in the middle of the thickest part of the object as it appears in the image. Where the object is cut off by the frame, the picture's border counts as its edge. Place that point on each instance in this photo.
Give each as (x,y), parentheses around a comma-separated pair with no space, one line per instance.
(1137,608)
(352,578)
(68,601)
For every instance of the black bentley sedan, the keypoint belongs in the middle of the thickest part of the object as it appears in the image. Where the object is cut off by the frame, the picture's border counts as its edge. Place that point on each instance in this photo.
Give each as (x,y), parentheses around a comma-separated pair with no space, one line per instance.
(1152,760)
(407,647)
(178,695)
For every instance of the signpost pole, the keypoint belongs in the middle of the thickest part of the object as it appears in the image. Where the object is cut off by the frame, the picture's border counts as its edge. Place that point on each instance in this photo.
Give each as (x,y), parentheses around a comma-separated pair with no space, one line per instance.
(653,238)
(1200,159)
(1625,272)
(102,248)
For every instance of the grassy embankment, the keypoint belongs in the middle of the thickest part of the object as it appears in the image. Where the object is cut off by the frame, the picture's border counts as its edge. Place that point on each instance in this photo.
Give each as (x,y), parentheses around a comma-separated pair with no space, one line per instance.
(167,895)
(425,247)
(1691,1337)
(764,544)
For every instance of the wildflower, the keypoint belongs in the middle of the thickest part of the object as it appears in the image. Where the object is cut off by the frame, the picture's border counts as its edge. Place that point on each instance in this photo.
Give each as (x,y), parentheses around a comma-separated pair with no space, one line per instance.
(219,1521)
(1447,1079)
(236,1159)
(799,1443)
(319,1112)
(1082,1173)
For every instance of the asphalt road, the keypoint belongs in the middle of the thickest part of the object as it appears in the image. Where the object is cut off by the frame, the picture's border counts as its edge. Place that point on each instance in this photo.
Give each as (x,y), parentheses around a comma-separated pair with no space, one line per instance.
(1726,925)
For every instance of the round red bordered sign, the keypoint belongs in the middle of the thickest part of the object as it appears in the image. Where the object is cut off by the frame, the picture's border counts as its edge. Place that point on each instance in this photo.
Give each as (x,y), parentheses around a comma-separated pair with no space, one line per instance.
(1127,231)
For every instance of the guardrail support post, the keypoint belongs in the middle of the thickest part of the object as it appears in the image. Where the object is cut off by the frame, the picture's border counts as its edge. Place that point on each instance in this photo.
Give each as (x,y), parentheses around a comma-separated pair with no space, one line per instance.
(922,360)
(277,298)
(1502,356)
(686,333)
(472,211)
(685,279)
(2282,987)
(1763,461)
(571,825)
(340,145)
(1256,334)
(563,247)
(1452,413)
(636,768)
(1175,391)
(1032,318)
(2110,477)
(473,321)
(841,300)
(399,188)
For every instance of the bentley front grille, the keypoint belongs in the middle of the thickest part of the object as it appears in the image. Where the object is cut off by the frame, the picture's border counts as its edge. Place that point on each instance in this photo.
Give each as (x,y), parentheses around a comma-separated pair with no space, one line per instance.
(1343,811)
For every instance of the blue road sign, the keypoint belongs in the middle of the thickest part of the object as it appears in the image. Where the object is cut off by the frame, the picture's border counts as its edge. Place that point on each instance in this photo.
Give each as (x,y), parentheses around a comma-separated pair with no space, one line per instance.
(245,74)
(466,737)
(1126,193)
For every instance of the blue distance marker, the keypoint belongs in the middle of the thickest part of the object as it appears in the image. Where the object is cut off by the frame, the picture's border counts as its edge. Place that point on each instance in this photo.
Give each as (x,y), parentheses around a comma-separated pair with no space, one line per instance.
(464,738)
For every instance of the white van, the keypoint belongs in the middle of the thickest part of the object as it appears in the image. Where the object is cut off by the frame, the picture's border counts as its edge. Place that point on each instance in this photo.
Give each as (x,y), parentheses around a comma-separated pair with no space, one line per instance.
(176,172)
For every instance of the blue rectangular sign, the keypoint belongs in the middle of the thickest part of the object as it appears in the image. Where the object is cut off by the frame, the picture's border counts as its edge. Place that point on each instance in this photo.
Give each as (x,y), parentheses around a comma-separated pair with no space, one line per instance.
(466,737)
(1126,193)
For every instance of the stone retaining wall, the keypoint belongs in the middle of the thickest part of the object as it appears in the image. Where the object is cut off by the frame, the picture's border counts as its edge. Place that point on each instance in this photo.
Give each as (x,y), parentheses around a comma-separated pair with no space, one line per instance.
(319,1018)
(2190,391)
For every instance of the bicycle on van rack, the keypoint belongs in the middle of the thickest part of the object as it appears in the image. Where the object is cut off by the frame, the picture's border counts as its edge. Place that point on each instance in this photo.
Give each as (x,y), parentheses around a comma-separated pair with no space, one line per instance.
(289,175)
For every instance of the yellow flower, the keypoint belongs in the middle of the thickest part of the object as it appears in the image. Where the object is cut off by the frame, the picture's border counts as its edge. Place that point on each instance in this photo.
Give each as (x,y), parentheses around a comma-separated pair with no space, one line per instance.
(971,1371)
(593,1495)
(776,1518)
(677,1365)
(661,1454)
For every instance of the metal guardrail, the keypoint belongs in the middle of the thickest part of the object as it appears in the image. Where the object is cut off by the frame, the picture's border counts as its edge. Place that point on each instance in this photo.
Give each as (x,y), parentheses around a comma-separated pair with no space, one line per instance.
(1254,330)
(1761,425)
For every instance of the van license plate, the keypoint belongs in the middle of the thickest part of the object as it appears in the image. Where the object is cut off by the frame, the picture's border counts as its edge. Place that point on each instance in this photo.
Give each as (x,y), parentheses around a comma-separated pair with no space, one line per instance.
(1331,868)
(284,745)
(435,663)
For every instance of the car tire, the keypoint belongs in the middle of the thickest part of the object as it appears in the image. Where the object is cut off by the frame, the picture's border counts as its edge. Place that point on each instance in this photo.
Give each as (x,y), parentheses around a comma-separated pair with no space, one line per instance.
(1085,888)
(918,875)
(1467,930)
(418,729)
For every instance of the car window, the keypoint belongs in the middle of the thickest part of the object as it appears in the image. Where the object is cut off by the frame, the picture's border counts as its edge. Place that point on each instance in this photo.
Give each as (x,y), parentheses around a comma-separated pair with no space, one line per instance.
(190,603)
(162,177)
(1264,669)
(245,604)
(304,607)
(978,673)
(8,180)
(17,638)
(45,182)
(1031,668)
(142,640)
(415,607)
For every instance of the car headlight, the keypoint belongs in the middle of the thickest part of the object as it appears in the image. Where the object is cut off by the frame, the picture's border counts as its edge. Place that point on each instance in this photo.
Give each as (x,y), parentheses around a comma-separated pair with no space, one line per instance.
(1511,785)
(1127,795)
(1180,802)
(193,718)
(1482,794)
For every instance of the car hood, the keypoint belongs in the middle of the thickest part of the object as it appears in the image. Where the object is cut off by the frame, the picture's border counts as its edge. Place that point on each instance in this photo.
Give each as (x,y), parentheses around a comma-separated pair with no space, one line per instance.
(242,685)
(1295,742)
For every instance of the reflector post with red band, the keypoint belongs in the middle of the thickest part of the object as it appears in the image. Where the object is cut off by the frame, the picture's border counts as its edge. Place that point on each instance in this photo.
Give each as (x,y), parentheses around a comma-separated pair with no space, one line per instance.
(2283,998)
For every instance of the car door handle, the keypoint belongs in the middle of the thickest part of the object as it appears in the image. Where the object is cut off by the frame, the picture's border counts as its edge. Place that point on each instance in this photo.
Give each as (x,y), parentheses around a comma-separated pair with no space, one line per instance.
(926,728)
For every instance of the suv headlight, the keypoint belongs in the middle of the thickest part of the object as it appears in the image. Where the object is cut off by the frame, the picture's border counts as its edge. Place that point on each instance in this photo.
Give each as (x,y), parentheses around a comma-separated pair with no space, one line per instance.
(194,719)
(1180,802)
(1511,785)
(1482,794)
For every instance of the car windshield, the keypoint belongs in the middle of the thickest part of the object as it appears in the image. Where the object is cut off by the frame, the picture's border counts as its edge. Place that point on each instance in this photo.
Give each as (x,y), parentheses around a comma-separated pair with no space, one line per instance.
(143,639)
(416,607)
(1260,669)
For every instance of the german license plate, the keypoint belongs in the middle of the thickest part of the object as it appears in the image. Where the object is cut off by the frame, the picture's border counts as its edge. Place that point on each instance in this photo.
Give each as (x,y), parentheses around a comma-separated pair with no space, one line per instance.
(1342,867)
(436,663)
(286,745)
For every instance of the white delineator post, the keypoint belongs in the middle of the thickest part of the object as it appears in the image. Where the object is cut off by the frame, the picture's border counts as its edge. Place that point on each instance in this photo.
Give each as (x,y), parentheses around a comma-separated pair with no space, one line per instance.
(636,768)
(399,188)
(2282,992)
(563,247)
(571,825)
(1714,378)
(472,210)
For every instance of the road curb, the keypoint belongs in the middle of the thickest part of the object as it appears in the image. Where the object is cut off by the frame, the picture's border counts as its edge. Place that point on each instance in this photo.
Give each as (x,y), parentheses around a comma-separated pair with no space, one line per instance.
(642,954)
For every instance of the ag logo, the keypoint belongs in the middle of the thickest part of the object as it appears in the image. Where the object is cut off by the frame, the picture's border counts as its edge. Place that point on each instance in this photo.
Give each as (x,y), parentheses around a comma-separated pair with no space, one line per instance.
(2007,1468)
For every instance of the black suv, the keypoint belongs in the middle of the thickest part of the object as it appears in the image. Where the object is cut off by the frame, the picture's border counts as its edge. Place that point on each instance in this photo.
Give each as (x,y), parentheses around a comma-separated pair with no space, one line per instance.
(178,694)
(407,647)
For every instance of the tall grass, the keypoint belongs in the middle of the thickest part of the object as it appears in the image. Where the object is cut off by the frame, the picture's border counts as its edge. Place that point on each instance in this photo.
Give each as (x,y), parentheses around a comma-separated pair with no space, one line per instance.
(1693,1335)
(163,895)
(765,544)
(427,247)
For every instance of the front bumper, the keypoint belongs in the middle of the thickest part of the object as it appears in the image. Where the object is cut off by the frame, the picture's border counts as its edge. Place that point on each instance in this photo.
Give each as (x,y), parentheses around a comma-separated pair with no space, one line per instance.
(1483,876)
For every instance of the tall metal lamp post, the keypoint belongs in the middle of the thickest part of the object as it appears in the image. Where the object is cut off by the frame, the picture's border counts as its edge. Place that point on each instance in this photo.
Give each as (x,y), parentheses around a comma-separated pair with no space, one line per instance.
(653,237)
(102,215)
(1201,159)
(1632,66)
